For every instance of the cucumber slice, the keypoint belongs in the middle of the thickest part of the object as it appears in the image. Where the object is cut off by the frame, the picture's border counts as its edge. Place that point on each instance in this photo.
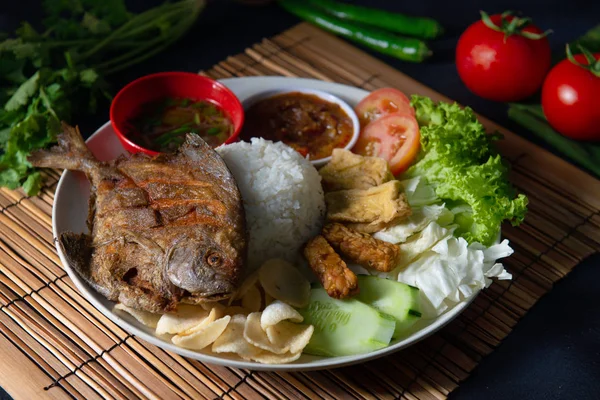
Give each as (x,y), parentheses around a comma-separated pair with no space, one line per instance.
(345,327)
(397,299)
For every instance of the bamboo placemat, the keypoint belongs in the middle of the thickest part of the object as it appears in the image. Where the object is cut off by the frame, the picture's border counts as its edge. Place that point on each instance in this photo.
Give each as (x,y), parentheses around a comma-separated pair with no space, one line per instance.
(54,344)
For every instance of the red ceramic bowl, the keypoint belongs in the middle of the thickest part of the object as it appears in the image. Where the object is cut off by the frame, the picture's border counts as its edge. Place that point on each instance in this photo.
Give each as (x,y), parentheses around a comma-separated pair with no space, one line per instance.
(171,84)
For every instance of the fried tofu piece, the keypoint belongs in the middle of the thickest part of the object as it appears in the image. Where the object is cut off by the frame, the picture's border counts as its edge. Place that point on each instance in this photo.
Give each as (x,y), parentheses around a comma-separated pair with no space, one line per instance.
(347,170)
(362,248)
(332,271)
(368,210)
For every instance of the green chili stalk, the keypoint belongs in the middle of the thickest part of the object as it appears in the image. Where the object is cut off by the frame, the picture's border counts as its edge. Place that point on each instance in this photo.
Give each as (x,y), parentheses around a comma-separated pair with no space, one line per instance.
(532,118)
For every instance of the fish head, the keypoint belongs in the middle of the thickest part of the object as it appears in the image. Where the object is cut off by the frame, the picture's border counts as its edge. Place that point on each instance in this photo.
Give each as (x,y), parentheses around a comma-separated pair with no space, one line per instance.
(206,270)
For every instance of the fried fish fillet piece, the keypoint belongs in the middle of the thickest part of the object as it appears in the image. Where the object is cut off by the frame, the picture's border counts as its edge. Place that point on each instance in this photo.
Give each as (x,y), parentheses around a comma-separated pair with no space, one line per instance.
(347,170)
(361,248)
(368,210)
(163,230)
(332,271)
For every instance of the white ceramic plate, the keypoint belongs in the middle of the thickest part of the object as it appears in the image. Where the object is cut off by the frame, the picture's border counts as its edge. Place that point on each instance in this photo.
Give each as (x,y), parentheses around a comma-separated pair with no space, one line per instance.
(70,213)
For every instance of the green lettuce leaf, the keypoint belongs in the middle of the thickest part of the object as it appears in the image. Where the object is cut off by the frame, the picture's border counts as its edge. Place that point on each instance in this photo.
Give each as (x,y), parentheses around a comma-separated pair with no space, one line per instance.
(459,159)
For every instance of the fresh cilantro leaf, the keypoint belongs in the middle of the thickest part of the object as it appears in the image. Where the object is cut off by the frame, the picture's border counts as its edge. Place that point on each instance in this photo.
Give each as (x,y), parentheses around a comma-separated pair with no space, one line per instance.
(88,76)
(34,132)
(58,10)
(15,161)
(23,93)
(53,90)
(95,25)
(82,18)
(4,135)
(68,29)
(20,48)
(113,12)
(11,117)
(33,184)
(10,178)
(27,32)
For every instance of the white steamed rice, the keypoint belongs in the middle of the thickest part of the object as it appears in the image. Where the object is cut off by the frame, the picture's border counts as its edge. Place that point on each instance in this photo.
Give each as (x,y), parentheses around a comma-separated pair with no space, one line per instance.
(282,195)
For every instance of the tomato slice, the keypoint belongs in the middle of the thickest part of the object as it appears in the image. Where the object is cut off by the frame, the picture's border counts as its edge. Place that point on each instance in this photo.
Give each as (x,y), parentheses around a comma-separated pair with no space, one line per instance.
(381,102)
(393,137)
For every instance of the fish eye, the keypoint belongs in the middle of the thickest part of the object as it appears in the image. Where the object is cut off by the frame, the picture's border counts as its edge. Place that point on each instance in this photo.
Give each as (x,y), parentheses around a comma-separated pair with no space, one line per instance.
(213,259)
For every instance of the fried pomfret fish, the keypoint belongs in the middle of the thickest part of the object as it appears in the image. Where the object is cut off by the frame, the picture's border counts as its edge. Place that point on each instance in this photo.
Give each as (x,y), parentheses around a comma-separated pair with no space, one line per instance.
(164,230)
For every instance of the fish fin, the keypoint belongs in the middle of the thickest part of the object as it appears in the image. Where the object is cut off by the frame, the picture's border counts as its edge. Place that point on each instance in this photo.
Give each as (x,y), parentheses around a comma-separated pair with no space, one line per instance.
(77,248)
(70,153)
(195,149)
(133,237)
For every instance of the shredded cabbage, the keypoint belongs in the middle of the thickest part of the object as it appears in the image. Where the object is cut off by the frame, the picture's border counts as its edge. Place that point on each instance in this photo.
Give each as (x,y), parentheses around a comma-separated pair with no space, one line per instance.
(452,270)
(418,193)
(416,222)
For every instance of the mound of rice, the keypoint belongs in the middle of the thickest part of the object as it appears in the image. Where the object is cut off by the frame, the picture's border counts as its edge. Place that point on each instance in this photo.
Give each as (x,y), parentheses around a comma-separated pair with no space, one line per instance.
(282,195)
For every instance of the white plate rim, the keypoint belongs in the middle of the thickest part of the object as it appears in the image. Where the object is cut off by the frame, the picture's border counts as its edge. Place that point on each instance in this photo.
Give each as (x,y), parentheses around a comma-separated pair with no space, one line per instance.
(241,86)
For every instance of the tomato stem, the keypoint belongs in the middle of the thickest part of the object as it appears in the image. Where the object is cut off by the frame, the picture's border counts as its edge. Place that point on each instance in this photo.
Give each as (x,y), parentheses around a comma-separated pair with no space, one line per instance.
(593,65)
(514,26)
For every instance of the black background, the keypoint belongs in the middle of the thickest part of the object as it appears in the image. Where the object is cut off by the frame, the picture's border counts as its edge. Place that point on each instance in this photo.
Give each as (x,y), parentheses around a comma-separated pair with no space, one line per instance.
(554,351)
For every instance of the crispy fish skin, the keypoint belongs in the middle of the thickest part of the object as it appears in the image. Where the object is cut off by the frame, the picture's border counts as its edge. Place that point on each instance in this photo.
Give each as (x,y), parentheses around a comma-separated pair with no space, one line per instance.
(347,170)
(164,230)
(332,271)
(368,210)
(361,248)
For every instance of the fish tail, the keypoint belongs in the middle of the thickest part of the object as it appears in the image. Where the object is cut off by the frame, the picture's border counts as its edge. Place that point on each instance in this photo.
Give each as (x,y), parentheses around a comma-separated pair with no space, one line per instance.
(77,249)
(70,153)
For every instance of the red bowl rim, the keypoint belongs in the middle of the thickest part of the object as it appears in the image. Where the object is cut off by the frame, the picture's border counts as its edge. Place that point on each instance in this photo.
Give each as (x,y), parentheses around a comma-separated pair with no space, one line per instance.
(232,138)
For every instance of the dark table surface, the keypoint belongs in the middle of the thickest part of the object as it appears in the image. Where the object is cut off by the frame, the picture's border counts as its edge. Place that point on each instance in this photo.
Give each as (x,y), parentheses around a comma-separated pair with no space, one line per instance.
(554,351)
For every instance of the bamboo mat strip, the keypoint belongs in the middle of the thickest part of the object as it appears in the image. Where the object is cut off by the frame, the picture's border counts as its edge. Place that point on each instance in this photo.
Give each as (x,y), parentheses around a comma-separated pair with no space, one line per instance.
(65,348)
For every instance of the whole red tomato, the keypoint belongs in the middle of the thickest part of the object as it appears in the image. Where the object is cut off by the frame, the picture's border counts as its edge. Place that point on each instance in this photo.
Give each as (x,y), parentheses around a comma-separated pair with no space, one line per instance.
(503,60)
(570,97)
